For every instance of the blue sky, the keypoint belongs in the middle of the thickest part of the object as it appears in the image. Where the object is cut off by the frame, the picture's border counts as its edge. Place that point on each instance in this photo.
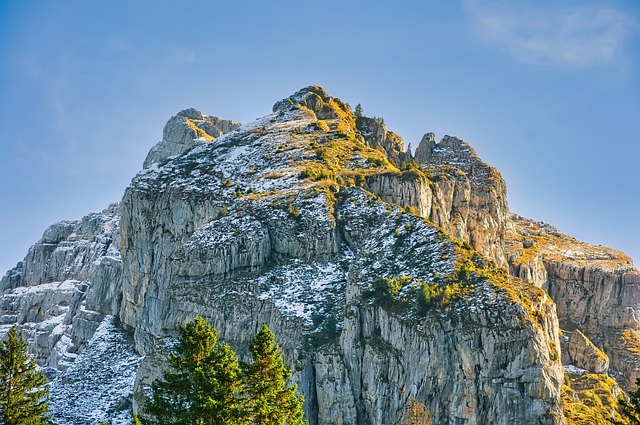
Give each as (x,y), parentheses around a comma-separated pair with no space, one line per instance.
(546,91)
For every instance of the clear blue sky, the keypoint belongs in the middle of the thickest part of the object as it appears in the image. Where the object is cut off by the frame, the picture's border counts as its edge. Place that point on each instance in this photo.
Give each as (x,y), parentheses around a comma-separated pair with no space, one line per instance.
(546,91)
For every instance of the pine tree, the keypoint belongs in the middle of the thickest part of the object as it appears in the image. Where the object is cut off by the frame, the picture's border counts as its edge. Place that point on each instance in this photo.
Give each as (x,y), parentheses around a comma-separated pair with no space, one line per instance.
(358,111)
(203,383)
(23,390)
(268,400)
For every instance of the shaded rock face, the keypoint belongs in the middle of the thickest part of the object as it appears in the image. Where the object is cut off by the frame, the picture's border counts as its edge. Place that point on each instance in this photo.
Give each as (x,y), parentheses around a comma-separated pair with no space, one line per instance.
(579,351)
(66,283)
(377,136)
(603,304)
(296,220)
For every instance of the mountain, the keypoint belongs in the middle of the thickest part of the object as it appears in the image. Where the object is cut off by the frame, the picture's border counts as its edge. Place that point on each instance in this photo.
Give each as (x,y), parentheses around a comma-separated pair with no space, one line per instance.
(395,282)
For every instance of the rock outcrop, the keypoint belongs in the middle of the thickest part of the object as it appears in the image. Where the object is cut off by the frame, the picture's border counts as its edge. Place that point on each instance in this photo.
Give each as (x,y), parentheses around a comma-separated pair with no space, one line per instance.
(183,131)
(596,291)
(383,275)
(66,283)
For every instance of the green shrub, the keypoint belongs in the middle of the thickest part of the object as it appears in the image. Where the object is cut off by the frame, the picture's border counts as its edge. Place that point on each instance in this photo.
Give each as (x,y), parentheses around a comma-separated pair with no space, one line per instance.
(322,153)
(385,291)
(428,293)
(294,211)
(375,162)
(316,172)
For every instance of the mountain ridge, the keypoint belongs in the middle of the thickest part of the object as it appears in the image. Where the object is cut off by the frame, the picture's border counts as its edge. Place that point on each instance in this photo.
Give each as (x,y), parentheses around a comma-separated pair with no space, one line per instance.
(307,219)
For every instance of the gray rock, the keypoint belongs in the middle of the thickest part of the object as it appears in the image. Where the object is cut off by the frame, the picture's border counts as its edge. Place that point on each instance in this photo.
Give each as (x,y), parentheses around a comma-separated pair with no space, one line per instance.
(182,132)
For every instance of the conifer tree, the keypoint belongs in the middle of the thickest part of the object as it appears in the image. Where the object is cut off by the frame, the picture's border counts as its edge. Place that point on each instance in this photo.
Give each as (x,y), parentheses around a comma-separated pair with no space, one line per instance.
(23,390)
(203,383)
(267,399)
(358,111)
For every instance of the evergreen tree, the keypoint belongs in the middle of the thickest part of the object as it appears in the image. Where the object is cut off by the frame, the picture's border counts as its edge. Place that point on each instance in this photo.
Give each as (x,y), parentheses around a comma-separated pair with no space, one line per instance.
(23,390)
(203,383)
(630,410)
(267,399)
(358,111)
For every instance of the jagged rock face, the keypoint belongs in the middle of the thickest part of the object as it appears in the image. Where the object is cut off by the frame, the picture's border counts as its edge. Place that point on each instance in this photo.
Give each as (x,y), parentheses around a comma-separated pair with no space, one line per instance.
(317,223)
(579,351)
(183,131)
(458,192)
(473,195)
(377,136)
(59,293)
(595,290)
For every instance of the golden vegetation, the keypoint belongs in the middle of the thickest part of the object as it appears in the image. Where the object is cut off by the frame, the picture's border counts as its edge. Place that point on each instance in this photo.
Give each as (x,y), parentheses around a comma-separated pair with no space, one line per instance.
(200,133)
(416,414)
(591,399)
(530,239)
(631,341)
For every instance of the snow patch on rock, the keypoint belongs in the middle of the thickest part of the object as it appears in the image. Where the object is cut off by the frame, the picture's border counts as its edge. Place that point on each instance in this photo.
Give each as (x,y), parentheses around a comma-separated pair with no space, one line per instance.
(98,386)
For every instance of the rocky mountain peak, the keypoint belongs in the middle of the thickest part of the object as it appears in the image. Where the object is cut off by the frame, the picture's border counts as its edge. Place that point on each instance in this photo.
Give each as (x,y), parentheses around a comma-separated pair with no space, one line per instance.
(316,100)
(454,152)
(192,114)
(393,282)
(183,131)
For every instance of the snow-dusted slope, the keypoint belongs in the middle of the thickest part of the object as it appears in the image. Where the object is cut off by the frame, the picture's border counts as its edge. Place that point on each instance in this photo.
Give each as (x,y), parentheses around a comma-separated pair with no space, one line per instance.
(380,277)
(98,386)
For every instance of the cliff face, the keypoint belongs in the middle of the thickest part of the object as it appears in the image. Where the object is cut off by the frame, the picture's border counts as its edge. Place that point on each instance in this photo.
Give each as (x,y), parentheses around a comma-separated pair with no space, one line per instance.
(454,190)
(596,290)
(380,273)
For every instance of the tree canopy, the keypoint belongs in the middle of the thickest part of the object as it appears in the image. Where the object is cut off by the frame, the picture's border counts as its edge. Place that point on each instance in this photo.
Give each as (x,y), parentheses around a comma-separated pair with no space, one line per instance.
(23,390)
(203,382)
(267,399)
(206,384)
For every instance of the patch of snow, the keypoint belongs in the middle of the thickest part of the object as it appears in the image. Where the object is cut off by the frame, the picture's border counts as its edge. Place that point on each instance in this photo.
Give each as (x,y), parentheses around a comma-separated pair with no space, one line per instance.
(67,285)
(574,370)
(305,290)
(98,386)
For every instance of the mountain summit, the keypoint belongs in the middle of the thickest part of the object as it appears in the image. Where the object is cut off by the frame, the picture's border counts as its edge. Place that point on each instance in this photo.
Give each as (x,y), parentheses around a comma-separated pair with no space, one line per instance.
(399,286)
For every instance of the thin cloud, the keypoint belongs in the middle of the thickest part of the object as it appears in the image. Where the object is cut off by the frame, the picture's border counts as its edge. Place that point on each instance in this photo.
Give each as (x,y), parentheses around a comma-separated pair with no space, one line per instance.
(117,44)
(182,55)
(582,37)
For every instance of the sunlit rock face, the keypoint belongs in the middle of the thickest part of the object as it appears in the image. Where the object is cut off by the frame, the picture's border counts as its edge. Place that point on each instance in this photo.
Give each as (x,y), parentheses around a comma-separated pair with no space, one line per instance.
(596,290)
(184,130)
(390,280)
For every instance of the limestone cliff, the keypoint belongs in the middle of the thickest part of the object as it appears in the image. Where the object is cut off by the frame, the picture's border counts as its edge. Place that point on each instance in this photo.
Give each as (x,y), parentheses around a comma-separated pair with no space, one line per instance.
(596,290)
(383,275)
(182,132)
